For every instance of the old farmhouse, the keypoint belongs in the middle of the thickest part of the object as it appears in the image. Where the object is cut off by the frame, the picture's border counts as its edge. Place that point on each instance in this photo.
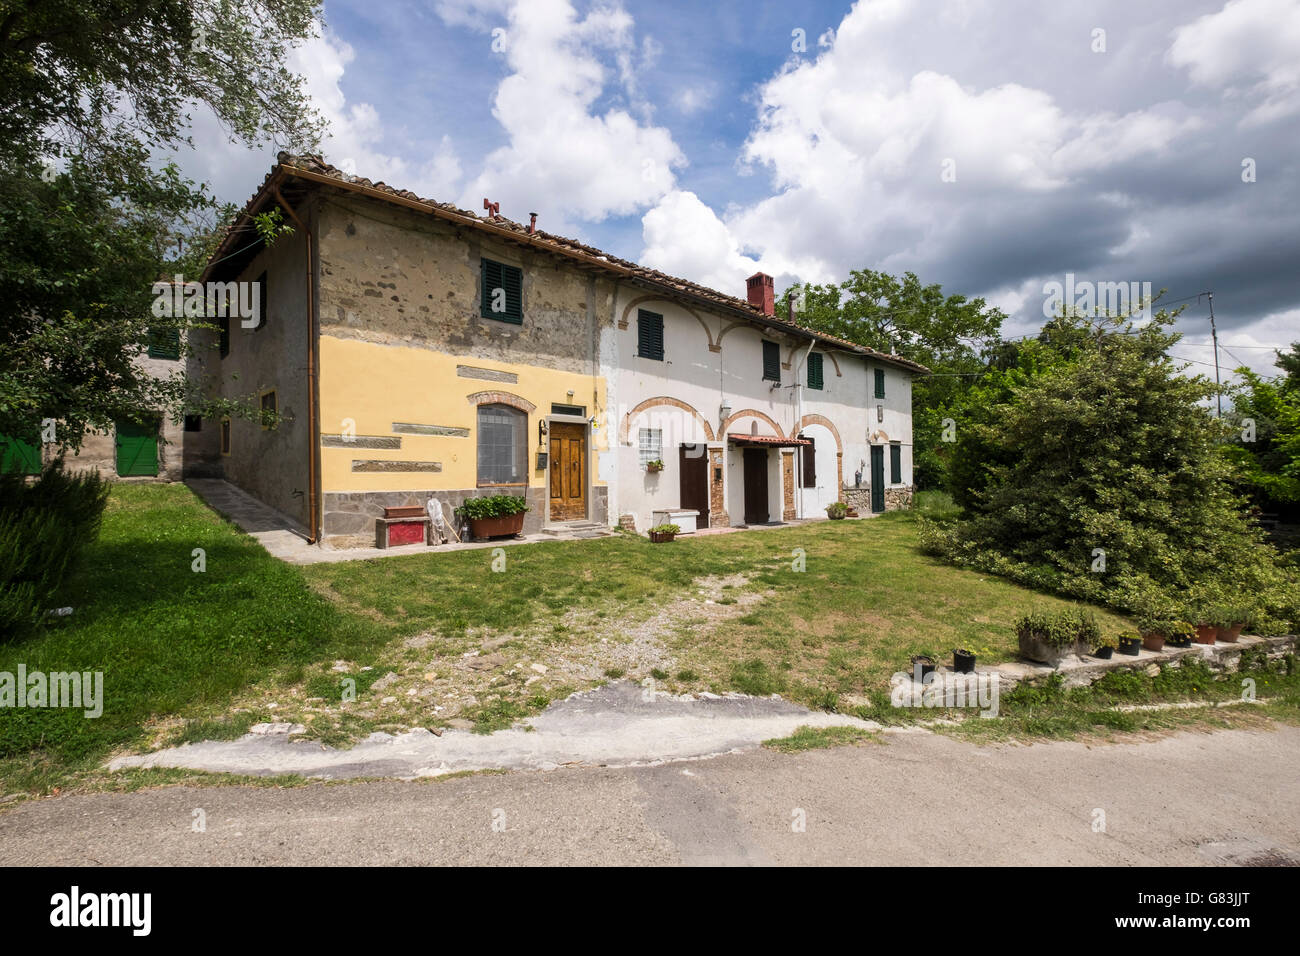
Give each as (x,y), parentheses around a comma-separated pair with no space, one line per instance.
(418,350)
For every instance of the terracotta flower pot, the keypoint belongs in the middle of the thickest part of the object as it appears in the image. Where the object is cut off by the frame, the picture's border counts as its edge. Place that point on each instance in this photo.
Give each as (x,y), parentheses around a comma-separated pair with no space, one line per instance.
(496,527)
(1205,633)
(1229,635)
(661,537)
(1153,642)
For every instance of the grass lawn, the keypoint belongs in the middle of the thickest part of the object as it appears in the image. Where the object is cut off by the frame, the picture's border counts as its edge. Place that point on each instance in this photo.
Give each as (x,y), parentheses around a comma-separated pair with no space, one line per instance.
(823,613)
(168,640)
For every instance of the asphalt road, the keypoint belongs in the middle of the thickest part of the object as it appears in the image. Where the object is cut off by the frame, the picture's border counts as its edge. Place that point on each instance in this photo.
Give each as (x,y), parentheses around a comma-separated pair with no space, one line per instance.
(1190,799)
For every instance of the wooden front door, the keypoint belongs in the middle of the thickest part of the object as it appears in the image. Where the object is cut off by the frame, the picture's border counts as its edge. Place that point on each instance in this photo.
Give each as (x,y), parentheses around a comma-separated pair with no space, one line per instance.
(755,486)
(568,472)
(694,481)
(877,478)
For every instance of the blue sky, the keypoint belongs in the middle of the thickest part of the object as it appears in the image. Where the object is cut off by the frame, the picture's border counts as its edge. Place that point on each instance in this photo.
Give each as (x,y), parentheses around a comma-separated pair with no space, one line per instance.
(994,146)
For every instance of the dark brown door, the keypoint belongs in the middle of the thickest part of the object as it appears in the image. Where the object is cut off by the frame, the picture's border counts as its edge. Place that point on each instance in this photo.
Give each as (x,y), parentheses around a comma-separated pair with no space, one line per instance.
(755,486)
(568,472)
(694,488)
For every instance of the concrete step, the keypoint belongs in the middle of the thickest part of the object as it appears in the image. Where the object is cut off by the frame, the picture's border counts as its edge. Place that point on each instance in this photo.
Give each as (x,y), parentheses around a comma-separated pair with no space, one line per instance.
(576,527)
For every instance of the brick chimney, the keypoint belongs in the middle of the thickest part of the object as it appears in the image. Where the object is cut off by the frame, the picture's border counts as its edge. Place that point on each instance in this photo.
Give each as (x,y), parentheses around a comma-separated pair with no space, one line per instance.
(761,293)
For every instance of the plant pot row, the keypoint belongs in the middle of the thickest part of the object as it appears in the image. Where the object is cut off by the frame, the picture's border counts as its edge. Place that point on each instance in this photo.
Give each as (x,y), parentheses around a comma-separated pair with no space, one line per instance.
(963,662)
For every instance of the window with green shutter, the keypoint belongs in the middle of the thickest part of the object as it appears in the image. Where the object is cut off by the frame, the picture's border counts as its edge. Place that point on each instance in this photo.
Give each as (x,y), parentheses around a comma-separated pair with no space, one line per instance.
(502,294)
(880,383)
(815,370)
(165,343)
(771,361)
(650,335)
(20,456)
(896,464)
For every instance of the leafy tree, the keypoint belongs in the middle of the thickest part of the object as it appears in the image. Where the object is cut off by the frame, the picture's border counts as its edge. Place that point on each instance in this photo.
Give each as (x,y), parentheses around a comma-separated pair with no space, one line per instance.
(919,322)
(88,219)
(1095,469)
(1266,450)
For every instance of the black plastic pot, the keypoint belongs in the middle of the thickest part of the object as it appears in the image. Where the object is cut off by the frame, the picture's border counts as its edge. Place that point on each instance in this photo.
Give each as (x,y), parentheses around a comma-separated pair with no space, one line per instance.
(963,662)
(1180,642)
(1130,646)
(1103,653)
(921,666)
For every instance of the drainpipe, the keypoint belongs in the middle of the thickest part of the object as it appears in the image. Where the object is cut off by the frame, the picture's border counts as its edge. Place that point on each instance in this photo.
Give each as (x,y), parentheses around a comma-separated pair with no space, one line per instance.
(798,411)
(313,426)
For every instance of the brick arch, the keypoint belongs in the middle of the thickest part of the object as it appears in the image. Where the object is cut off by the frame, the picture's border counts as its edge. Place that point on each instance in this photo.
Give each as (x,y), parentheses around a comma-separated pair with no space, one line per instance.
(492,397)
(825,423)
(753,413)
(641,300)
(626,426)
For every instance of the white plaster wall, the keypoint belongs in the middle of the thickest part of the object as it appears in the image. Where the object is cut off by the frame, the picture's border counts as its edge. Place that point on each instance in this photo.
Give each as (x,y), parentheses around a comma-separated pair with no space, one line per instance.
(694,374)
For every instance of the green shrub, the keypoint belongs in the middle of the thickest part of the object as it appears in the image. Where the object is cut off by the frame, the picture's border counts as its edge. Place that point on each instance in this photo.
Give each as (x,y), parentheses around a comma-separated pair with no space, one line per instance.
(492,506)
(1059,629)
(45,527)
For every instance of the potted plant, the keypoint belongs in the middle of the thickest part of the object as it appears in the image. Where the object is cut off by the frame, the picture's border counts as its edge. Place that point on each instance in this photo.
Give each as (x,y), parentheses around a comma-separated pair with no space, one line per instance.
(1105,647)
(1232,620)
(1049,638)
(1130,642)
(654,466)
(922,664)
(837,510)
(1180,634)
(1203,612)
(852,513)
(963,660)
(1153,628)
(494,516)
(662,533)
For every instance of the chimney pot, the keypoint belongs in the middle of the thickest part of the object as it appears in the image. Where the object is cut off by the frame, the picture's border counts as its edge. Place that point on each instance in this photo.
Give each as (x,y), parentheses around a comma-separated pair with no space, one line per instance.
(761,292)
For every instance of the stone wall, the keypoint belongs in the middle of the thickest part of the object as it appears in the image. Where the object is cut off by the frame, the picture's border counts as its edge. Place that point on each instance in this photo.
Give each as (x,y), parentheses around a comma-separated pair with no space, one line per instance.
(349,519)
(898,499)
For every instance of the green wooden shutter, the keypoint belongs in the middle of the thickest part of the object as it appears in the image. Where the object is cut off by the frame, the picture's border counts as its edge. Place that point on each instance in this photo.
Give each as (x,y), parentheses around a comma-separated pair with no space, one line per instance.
(880,383)
(137,448)
(509,278)
(19,456)
(650,335)
(771,361)
(815,379)
(165,343)
(896,464)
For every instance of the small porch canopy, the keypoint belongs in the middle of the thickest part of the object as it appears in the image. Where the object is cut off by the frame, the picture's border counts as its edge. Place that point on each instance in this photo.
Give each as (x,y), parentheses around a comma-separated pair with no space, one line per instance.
(765,441)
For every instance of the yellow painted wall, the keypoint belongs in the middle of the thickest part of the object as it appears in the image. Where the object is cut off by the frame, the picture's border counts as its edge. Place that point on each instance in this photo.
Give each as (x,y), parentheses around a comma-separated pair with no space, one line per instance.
(376,385)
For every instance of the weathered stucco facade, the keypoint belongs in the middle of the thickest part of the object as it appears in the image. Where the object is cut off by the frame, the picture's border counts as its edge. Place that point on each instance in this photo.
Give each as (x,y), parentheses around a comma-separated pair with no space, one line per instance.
(419,351)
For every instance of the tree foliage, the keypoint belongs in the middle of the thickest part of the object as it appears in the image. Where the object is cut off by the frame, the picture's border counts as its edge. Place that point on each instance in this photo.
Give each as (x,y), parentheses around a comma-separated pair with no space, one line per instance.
(917,321)
(1093,467)
(1266,449)
(89,218)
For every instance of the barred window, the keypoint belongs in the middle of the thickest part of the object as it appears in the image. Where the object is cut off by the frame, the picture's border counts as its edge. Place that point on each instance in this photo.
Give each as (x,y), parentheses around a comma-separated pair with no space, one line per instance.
(502,445)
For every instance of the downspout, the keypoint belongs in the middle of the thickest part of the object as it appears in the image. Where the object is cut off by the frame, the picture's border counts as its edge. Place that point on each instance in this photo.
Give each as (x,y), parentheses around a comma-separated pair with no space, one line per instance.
(313,426)
(798,411)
